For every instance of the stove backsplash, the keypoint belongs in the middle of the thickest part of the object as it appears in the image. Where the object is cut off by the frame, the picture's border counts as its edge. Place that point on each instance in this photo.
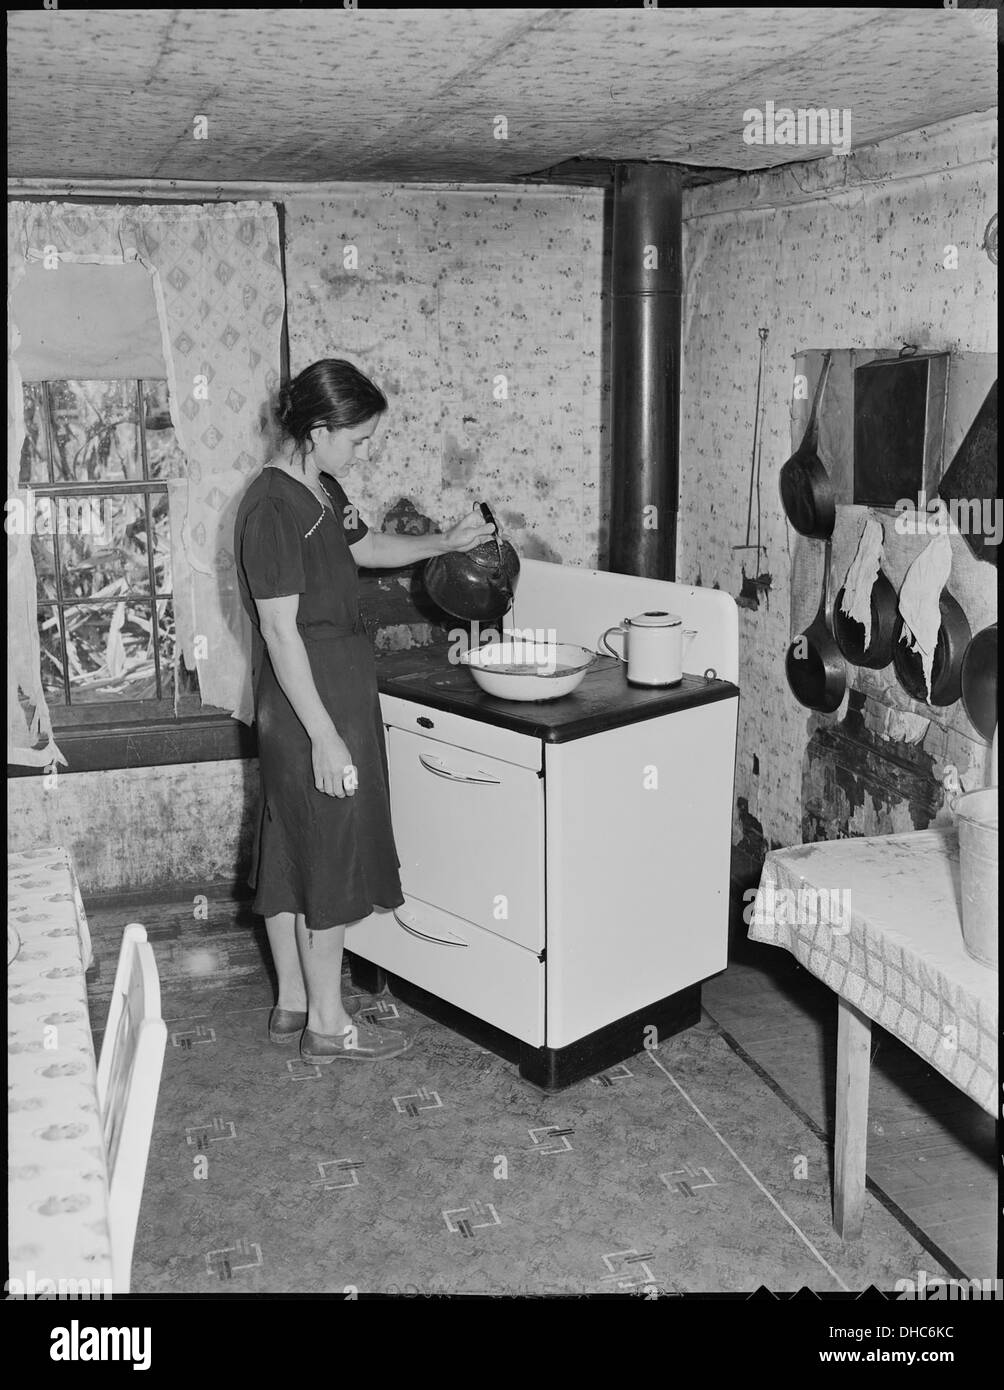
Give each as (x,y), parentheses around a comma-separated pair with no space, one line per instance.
(396,611)
(395,608)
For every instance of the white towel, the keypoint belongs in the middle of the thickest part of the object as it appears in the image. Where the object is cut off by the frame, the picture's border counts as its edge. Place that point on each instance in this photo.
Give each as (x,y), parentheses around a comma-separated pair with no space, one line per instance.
(861,577)
(920,601)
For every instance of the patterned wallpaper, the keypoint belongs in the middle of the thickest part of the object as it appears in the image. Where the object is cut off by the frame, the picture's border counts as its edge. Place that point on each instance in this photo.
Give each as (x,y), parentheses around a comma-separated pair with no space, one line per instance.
(479,313)
(844,253)
(459,287)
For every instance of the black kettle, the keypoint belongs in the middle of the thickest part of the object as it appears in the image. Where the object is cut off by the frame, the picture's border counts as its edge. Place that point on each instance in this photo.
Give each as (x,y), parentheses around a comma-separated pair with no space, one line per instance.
(477,585)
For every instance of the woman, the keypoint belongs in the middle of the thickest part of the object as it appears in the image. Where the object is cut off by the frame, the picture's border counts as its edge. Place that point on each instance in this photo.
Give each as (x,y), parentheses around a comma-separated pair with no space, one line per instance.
(324,852)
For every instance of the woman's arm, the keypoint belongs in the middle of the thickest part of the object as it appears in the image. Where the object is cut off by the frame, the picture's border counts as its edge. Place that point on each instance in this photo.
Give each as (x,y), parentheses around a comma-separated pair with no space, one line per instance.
(380,550)
(331,757)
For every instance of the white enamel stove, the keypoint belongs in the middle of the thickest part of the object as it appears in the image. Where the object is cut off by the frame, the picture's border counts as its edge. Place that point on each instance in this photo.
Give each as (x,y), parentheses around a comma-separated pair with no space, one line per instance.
(565,864)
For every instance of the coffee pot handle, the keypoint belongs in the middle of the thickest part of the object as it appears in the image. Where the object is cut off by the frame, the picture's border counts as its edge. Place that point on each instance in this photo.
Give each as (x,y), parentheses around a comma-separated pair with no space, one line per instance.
(604,643)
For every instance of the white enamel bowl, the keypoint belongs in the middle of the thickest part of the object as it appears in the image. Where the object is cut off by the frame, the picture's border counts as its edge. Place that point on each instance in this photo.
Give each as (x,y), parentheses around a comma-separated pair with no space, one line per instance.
(525,670)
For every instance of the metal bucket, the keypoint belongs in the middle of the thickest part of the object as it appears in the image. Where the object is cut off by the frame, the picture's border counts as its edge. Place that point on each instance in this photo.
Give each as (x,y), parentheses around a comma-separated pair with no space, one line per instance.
(977,818)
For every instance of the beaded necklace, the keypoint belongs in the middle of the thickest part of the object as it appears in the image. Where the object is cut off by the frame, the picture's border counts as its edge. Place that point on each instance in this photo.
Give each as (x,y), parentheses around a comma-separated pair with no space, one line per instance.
(323,510)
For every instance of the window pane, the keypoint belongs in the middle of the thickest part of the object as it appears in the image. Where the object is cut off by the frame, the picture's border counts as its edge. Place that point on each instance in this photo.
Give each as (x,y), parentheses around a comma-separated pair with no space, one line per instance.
(168,649)
(51,650)
(102,546)
(161,542)
(109,648)
(42,552)
(35,450)
(94,431)
(164,455)
(110,665)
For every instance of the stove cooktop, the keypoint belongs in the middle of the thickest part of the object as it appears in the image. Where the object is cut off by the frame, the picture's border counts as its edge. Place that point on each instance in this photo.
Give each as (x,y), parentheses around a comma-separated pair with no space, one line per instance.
(604,700)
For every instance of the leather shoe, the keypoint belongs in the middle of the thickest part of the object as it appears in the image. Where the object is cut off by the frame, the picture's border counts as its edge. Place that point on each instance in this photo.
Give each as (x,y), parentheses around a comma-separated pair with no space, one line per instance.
(363,1042)
(286,1025)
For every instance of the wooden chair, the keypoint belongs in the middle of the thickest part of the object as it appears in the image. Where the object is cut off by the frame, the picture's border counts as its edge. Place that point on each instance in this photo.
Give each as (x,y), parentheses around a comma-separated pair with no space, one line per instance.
(129,1068)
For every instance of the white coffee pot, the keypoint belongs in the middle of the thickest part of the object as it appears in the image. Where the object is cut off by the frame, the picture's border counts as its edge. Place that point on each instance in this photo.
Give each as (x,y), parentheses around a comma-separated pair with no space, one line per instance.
(653,647)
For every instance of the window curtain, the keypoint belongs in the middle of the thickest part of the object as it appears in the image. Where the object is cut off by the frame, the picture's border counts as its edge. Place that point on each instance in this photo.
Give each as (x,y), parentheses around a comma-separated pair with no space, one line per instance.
(217,278)
(88,323)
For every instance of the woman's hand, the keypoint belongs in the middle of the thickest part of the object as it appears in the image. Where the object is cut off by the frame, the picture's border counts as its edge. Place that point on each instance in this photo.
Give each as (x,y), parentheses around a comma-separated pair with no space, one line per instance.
(334,773)
(471,531)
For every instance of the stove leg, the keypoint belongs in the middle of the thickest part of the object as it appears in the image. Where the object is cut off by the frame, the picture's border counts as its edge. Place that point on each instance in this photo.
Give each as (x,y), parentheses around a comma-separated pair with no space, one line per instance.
(367,977)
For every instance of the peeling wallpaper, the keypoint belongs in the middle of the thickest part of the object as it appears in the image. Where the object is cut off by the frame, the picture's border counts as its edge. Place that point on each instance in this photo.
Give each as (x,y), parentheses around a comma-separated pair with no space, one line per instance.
(479,314)
(848,253)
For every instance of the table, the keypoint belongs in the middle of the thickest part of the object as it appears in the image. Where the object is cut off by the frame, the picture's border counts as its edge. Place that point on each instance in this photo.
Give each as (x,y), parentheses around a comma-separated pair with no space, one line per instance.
(880,922)
(58,1176)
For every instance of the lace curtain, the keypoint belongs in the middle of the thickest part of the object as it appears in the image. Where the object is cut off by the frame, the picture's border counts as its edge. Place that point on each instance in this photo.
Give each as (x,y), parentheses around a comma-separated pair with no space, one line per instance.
(217,278)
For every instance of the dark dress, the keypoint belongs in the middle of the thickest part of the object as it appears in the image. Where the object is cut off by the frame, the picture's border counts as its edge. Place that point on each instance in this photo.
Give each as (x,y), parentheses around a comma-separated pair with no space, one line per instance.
(331,858)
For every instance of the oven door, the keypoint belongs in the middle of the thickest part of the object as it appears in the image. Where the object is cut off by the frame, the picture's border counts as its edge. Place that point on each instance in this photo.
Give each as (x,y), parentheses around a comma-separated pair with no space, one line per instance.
(475,970)
(470,835)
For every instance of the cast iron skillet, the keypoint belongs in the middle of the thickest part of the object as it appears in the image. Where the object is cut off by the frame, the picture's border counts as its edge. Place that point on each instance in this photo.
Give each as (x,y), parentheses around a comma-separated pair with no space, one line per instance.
(850,634)
(814,667)
(954,637)
(979,681)
(806,491)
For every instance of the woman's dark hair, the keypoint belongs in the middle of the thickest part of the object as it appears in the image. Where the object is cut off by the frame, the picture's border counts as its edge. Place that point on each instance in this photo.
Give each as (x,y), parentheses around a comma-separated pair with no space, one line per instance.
(330,393)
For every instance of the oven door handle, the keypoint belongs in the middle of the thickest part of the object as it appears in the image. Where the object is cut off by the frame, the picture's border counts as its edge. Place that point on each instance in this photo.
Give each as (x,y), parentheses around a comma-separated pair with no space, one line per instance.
(437,766)
(450,939)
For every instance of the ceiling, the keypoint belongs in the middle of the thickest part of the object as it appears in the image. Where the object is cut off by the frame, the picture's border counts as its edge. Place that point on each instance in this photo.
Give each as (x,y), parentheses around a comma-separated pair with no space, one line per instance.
(411,95)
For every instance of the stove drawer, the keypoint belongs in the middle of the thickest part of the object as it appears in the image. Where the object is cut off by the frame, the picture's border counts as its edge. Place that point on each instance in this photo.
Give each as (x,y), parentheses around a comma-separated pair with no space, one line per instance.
(470,835)
(475,734)
(473,969)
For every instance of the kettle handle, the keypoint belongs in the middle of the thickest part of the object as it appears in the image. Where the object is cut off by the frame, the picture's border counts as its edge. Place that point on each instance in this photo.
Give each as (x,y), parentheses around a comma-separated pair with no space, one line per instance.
(488,515)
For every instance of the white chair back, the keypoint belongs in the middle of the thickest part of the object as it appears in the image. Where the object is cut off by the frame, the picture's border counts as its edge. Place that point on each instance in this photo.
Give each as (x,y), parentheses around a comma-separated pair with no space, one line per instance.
(129,1069)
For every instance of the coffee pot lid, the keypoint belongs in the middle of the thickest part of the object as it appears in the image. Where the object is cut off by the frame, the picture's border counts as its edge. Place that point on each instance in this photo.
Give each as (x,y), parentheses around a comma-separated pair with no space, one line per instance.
(656,619)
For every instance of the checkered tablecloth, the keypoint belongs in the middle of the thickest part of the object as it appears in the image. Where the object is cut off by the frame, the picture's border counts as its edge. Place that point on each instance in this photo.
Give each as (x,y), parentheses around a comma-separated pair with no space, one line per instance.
(57,1178)
(887,936)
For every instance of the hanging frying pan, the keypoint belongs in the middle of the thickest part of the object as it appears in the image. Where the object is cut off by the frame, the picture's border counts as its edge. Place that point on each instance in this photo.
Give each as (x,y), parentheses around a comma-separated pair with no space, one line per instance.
(979,681)
(849,634)
(806,490)
(815,669)
(954,637)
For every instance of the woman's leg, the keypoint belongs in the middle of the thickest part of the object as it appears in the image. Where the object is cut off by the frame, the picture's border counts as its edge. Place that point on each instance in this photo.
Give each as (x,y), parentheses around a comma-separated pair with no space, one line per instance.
(321,960)
(282,942)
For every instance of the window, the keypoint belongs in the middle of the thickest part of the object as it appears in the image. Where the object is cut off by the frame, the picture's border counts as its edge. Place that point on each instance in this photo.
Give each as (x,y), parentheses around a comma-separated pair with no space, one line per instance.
(97,457)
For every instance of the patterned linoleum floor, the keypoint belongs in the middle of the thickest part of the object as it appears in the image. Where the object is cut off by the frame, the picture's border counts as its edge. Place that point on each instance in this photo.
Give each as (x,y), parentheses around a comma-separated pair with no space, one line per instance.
(443,1171)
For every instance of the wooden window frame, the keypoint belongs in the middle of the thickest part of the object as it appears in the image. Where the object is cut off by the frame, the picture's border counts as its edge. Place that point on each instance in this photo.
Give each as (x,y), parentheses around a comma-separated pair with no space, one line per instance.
(97,735)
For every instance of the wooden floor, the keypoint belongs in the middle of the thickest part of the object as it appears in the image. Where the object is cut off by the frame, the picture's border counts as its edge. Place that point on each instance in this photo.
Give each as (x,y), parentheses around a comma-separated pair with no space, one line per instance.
(931,1150)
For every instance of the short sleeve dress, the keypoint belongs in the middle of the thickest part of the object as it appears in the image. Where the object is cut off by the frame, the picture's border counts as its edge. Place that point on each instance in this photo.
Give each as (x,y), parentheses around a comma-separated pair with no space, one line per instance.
(331,858)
